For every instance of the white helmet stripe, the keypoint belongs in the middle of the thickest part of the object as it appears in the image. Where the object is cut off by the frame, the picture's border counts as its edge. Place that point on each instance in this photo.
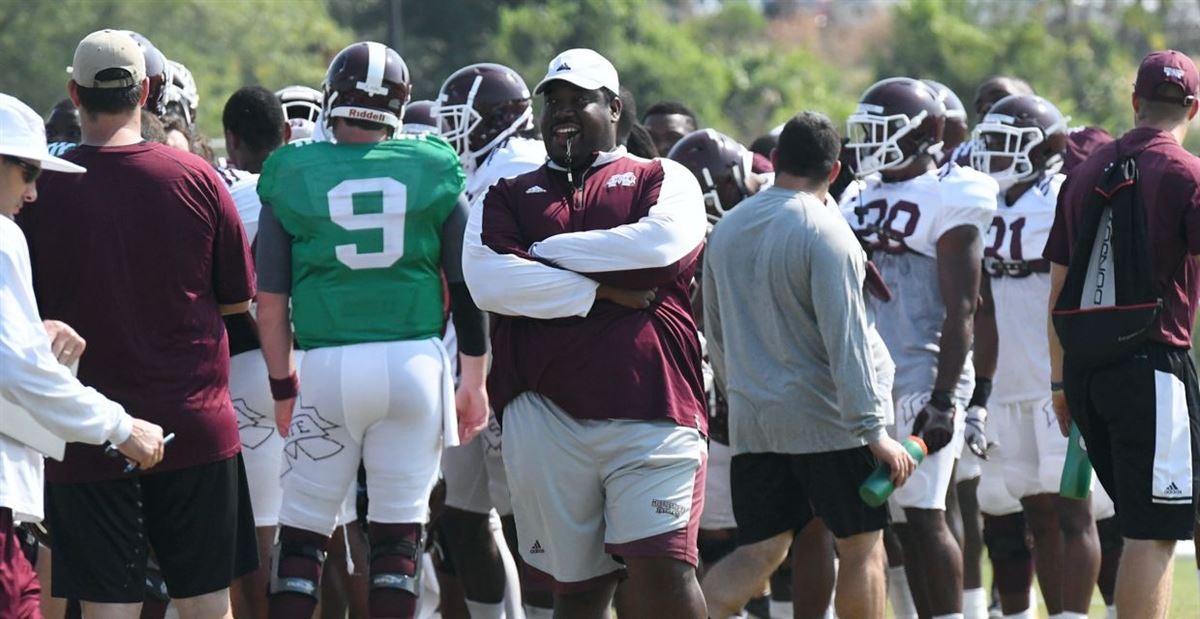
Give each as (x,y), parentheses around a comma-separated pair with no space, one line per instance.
(376,61)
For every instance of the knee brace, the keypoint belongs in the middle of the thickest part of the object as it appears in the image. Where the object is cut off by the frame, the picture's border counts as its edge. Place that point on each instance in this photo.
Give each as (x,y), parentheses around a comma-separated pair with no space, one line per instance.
(1008,547)
(1110,535)
(1005,538)
(296,563)
(396,561)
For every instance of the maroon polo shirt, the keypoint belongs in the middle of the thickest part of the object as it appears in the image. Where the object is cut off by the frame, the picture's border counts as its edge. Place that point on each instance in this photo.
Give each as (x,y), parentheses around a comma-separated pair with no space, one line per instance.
(616,363)
(136,255)
(1169,182)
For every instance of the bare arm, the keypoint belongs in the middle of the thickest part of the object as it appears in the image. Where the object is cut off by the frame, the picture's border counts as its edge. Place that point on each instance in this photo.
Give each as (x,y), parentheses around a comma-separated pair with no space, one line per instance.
(987,340)
(235,308)
(275,334)
(959,259)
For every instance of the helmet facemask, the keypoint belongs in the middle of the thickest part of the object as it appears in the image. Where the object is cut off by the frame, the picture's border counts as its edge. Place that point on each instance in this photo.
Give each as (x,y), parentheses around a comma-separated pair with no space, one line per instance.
(875,139)
(714,207)
(996,142)
(456,122)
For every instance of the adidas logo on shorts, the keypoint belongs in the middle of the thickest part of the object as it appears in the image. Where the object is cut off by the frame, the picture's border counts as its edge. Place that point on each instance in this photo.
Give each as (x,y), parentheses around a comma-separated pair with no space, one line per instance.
(536,549)
(1173,490)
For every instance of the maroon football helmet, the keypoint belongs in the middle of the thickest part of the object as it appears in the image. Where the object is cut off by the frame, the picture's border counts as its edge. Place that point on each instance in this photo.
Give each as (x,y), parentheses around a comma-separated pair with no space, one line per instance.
(481,105)
(898,119)
(366,81)
(721,166)
(956,131)
(420,117)
(156,72)
(1022,138)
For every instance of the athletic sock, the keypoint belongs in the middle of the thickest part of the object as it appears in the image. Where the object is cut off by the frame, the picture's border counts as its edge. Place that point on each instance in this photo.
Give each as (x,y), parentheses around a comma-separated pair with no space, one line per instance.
(975,604)
(781,610)
(899,594)
(537,612)
(1066,614)
(949,616)
(483,610)
(1111,612)
(1025,614)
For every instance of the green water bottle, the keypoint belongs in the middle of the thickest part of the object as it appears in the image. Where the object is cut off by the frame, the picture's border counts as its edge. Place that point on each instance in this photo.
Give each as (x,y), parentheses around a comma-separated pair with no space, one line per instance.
(878,487)
(1076,482)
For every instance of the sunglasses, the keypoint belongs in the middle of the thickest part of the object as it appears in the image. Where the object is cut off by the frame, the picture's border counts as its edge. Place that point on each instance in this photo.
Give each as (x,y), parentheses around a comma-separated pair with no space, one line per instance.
(29,171)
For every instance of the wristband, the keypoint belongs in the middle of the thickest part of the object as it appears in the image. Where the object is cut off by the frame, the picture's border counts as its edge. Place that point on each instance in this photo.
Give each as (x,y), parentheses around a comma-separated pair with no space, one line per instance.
(284,388)
(1056,386)
(983,391)
(940,399)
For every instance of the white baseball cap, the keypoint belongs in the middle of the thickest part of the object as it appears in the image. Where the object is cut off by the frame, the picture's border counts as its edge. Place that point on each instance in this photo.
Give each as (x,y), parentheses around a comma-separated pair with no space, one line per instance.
(108,49)
(23,135)
(583,67)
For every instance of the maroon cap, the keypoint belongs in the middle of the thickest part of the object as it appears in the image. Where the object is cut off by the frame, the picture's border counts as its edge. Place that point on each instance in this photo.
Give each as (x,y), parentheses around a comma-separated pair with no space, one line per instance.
(1167,67)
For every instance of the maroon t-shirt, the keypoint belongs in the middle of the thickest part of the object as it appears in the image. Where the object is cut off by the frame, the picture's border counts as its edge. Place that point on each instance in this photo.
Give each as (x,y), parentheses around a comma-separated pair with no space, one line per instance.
(136,255)
(616,363)
(1169,182)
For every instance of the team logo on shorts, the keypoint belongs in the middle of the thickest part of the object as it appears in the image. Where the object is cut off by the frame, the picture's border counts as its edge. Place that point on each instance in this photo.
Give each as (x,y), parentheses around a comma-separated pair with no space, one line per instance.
(668,507)
(253,426)
(309,435)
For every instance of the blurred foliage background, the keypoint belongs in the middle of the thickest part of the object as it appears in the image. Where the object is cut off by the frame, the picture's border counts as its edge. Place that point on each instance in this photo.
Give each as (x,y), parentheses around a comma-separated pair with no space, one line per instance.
(742,65)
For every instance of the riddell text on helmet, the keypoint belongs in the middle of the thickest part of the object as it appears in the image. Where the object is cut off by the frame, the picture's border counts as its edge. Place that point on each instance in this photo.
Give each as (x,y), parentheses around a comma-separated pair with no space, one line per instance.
(370,115)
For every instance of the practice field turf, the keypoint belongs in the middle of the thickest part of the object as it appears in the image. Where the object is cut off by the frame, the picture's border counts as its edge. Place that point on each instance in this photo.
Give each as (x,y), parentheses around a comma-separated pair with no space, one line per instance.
(1185,599)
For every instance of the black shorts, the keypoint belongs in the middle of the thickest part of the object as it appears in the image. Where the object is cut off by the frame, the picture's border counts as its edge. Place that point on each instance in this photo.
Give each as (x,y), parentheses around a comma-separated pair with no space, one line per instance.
(1140,420)
(197,520)
(774,493)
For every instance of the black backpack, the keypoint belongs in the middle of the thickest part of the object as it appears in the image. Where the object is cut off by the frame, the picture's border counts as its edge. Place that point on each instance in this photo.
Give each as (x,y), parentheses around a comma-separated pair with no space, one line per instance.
(1110,300)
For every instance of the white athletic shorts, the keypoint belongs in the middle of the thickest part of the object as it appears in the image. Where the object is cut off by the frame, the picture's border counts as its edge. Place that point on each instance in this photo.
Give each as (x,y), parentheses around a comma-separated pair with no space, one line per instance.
(927,487)
(389,405)
(590,489)
(474,474)
(262,447)
(718,500)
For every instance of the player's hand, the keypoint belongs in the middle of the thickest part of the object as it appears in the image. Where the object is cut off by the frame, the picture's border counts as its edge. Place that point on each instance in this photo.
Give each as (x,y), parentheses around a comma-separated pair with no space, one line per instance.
(65,343)
(895,457)
(283,415)
(976,432)
(633,299)
(935,426)
(1058,401)
(472,404)
(144,445)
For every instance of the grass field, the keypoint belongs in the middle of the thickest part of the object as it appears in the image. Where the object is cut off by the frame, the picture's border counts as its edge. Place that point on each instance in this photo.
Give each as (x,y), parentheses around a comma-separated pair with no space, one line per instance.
(1185,599)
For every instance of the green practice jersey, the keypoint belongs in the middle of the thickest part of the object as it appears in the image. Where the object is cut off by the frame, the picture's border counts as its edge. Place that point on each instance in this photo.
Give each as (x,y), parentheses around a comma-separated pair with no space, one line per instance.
(366,227)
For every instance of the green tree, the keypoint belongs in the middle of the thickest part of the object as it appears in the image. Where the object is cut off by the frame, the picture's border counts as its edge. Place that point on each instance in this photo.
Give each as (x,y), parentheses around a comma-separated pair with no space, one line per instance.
(225,44)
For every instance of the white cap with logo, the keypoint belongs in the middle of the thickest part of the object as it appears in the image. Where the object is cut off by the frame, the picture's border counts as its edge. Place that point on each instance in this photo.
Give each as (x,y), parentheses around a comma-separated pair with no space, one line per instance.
(23,135)
(584,68)
(108,49)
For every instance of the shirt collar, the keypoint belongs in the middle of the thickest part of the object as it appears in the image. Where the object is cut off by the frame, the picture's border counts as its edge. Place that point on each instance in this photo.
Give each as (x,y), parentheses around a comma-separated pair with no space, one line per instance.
(601,159)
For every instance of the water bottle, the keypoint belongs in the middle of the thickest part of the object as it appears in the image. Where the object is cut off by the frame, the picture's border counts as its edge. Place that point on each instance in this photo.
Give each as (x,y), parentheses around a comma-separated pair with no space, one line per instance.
(1076,482)
(878,487)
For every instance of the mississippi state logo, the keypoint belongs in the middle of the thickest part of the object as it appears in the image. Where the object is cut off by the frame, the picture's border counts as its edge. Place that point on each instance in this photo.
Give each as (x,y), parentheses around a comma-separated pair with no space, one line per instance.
(253,426)
(308,437)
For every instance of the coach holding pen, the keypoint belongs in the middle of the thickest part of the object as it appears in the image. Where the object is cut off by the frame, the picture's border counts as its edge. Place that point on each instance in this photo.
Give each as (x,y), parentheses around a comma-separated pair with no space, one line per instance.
(1139,415)
(31,375)
(142,255)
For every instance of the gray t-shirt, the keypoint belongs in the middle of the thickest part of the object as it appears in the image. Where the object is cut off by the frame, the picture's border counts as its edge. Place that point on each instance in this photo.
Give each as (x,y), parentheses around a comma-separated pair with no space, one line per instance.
(787,327)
